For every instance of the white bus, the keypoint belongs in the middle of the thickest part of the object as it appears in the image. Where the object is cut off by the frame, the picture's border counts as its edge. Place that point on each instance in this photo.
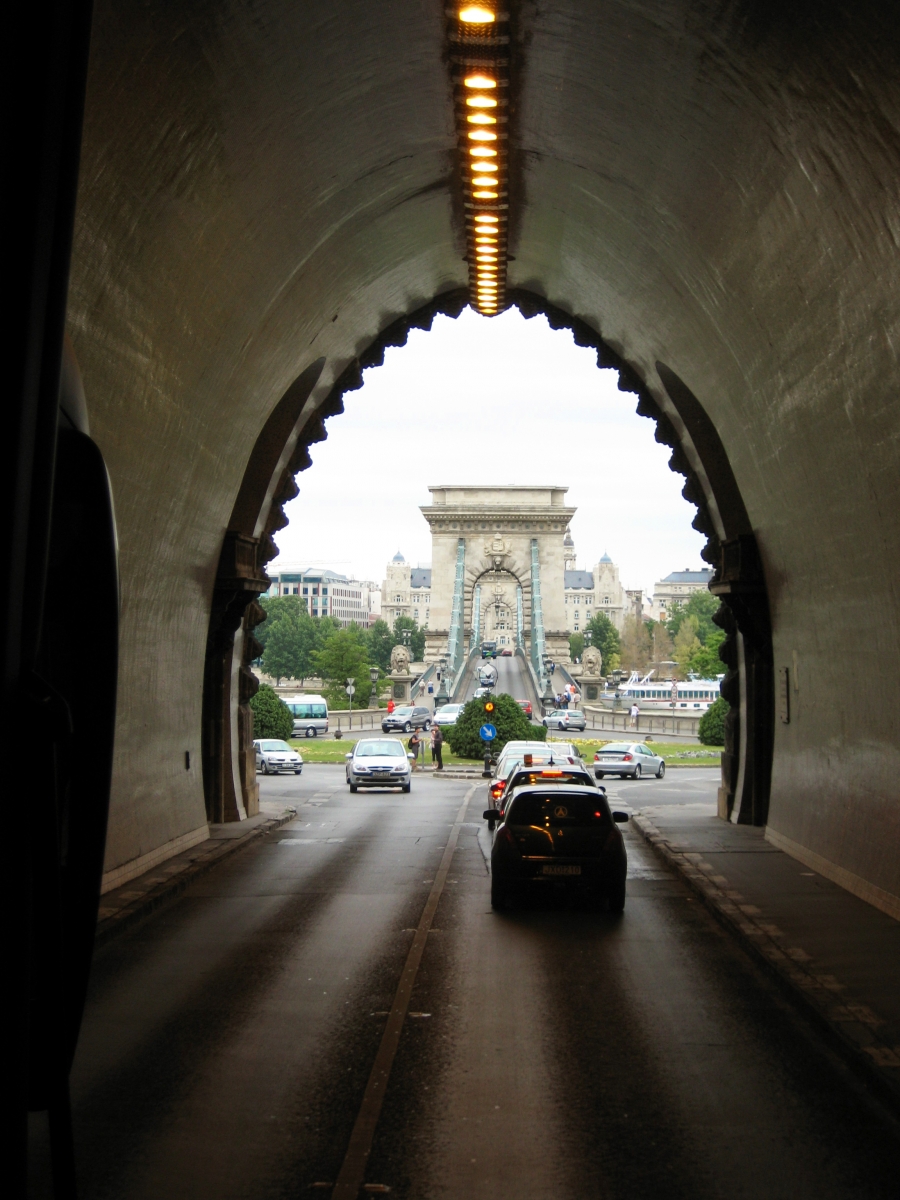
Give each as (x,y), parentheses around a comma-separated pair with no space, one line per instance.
(310,715)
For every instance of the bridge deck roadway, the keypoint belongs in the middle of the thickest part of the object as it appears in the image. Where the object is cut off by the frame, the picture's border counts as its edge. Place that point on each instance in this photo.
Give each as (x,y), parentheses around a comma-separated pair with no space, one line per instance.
(511,678)
(547,1052)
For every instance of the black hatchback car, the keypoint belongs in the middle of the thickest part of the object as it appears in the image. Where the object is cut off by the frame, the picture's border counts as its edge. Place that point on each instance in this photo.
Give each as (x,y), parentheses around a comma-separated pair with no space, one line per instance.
(558,836)
(406,719)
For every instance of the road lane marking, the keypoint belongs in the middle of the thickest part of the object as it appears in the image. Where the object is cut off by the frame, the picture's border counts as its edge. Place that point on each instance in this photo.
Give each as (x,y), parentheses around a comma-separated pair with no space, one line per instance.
(353,1170)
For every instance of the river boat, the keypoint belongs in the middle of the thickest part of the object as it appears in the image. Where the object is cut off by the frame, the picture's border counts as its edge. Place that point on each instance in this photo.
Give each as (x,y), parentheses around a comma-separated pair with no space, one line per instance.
(663,695)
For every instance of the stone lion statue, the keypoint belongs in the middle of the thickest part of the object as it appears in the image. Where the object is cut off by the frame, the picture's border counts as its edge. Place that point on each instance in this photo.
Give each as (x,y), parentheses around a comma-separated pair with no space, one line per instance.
(591,661)
(400,660)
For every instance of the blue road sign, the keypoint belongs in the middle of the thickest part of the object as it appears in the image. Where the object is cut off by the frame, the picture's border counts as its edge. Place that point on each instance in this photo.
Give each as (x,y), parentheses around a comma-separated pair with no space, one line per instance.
(487,733)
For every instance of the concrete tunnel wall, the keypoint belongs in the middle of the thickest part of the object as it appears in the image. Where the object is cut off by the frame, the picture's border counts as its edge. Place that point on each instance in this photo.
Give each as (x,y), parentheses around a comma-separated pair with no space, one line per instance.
(712,186)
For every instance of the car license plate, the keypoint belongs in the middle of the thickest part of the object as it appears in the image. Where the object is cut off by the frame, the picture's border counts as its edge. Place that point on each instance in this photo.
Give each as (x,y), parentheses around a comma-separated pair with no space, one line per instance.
(548,870)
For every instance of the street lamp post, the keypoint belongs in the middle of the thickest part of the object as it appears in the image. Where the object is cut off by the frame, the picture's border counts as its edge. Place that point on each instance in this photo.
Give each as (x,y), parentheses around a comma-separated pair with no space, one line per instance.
(443,696)
(350,689)
(373,675)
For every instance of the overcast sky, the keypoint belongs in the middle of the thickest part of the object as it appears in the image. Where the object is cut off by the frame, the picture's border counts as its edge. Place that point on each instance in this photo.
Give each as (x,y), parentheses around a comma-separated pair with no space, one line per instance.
(480,400)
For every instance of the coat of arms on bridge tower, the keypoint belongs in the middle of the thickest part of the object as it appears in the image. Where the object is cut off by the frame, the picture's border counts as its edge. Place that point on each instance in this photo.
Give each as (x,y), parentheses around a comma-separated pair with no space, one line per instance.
(496,550)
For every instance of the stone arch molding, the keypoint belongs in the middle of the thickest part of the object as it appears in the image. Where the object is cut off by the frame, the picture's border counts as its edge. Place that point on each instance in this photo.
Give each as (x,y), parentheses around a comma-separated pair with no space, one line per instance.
(697,453)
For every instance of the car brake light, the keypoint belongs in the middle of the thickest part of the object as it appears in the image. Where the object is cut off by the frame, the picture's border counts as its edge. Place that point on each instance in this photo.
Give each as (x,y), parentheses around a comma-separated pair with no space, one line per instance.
(506,842)
(551,774)
(627,757)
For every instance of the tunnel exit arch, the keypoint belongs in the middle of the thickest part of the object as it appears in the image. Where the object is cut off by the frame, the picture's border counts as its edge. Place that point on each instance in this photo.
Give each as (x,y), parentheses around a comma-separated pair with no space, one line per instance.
(698,454)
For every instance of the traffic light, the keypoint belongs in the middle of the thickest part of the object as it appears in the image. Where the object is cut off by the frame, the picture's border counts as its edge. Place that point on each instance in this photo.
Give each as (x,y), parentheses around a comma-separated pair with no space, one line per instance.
(489,706)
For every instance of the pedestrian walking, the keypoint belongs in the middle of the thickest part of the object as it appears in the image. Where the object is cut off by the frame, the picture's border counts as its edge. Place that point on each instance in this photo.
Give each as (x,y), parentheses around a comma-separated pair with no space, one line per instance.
(437,747)
(390,707)
(415,747)
(634,713)
(431,688)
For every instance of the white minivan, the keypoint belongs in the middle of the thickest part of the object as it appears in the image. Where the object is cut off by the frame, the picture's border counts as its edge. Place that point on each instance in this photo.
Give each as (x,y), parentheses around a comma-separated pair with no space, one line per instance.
(310,715)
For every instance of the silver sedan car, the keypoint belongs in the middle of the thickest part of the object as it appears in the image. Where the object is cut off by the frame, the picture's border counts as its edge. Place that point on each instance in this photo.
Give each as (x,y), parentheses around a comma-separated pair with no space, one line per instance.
(631,759)
(378,762)
(273,755)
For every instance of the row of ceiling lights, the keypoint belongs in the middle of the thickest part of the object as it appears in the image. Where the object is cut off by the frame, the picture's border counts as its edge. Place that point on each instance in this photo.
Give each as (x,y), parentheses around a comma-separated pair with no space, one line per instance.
(480,57)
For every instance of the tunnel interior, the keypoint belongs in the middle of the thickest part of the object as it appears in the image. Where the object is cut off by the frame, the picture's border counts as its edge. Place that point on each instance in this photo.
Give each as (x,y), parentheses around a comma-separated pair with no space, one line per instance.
(261,198)
(699,192)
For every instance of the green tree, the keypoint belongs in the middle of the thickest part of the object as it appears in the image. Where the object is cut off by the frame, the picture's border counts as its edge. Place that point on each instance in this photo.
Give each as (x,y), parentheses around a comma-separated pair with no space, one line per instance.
(381,642)
(605,637)
(282,657)
(701,606)
(417,637)
(343,657)
(712,724)
(291,644)
(705,661)
(271,716)
(275,607)
(634,645)
(508,719)
(686,642)
(576,646)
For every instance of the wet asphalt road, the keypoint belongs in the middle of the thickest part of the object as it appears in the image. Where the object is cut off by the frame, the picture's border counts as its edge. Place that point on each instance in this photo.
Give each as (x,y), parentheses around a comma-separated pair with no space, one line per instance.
(548,1052)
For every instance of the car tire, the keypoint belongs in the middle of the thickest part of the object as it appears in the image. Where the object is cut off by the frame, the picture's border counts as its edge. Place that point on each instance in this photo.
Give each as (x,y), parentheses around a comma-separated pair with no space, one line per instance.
(407,728)
(615,896)
(598,774)
(499,895)
(662,770)
(406,789)
(427,726)
(297,772)
(354,787)
(310,732)
(636,773)
(265,767)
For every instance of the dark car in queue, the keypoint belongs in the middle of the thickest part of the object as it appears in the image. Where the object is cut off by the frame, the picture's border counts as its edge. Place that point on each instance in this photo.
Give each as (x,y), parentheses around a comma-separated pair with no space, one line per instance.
(629,760)
(559,837)
(528,774)
(406,718)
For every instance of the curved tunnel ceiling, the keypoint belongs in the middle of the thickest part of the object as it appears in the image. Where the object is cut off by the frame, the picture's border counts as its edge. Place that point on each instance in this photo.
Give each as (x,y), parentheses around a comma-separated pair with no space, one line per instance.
(710,186)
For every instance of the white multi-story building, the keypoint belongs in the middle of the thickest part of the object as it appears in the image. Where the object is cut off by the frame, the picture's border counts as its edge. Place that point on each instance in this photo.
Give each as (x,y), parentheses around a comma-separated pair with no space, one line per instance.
(326,594)
(678,587)
(406,592)
(599,590)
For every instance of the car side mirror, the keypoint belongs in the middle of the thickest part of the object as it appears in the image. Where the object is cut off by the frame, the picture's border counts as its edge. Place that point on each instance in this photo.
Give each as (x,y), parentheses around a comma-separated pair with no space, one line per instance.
(620,818)
(348,755)
(411,757)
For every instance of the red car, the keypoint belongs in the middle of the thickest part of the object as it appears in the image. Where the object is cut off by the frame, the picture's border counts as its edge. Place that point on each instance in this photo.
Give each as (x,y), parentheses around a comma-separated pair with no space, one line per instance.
(525,706)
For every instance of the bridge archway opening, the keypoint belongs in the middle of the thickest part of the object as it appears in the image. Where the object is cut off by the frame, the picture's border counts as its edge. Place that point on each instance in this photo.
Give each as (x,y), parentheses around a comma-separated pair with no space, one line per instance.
(710,487)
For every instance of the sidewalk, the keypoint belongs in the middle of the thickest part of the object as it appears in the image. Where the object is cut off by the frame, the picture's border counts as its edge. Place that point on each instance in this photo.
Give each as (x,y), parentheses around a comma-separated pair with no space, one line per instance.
(124,906)
(835,955)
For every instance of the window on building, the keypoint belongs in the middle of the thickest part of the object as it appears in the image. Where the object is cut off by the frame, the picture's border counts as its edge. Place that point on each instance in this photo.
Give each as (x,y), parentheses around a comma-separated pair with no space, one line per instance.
(324,591)
(306,591)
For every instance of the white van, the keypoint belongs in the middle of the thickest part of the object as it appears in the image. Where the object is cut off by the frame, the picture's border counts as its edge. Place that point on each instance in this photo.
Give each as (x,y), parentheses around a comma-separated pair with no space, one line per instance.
(310,715)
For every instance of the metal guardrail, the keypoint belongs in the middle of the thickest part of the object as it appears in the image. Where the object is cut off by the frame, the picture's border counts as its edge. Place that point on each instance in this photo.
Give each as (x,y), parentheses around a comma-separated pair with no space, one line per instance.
(657,724)
(475,639)
(455,649)
(537,613)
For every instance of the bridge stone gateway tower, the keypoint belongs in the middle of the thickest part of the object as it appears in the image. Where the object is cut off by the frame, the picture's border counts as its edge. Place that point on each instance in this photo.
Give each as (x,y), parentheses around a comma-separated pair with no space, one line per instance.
(497,569)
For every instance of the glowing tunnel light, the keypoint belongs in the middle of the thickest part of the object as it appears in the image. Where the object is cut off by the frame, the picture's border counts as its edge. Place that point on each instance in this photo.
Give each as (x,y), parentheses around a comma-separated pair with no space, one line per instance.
(479,42)
(476,14)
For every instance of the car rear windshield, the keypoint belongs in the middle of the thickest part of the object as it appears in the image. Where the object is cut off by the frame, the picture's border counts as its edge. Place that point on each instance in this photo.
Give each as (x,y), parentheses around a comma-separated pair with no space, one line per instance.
(615,748)
(547,775)
(555,809)
(386,749)
(274,746)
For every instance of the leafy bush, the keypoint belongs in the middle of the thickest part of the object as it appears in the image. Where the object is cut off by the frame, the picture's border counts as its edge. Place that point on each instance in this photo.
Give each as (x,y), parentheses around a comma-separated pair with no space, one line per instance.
(271,716)
(712,723)
(511,724)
